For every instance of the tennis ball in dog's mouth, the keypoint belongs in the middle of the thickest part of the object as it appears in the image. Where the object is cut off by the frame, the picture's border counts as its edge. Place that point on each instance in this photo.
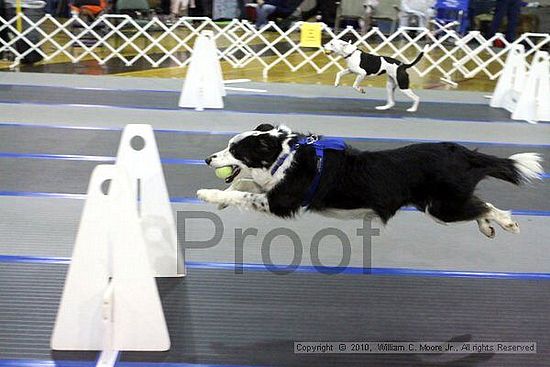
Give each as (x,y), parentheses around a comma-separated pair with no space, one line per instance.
(224,172)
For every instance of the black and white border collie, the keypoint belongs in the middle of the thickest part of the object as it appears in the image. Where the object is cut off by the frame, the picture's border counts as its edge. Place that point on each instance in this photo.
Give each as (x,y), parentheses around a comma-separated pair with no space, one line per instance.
(363,65)
(275,169)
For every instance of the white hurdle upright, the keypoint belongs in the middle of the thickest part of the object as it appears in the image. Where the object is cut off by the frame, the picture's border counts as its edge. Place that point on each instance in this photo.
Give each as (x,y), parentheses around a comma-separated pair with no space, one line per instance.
(110,300)
(533,104)
(511,81)
(138,155)
(126,238)
(203,86)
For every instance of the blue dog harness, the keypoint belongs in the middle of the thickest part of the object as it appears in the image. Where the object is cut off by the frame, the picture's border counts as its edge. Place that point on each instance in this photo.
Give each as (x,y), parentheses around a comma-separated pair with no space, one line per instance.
(320,145)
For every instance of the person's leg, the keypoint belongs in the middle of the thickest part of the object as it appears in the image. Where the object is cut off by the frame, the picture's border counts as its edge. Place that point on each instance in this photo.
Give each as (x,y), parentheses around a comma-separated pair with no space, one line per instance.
(175,6)
(262,13)
(513,14)
(500,11)
(165,7)
(242,12)
(403,19)
(423,21)
(328,11)
(306,14)
(3,13)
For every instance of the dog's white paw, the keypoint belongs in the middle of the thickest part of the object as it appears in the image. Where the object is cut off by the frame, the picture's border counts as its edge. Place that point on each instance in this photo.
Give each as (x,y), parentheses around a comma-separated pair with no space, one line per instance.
(486,228)
(412,109)
(488,231)
(210,195)
(385,107)
(511,226)
(336,84)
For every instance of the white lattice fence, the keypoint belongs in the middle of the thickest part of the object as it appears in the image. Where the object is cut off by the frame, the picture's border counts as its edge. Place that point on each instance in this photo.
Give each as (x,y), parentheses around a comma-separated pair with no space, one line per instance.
(113,37)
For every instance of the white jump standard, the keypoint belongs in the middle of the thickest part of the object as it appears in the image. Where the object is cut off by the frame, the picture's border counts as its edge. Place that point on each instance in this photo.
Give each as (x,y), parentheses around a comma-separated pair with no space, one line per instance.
(126,238)
(364,65)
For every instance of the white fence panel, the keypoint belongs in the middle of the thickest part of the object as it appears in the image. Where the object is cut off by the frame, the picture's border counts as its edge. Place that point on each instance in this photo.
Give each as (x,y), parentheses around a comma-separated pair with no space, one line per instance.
(113,37)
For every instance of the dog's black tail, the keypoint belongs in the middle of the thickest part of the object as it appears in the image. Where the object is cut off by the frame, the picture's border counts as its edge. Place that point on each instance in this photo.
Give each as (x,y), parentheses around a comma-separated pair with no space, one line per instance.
(418,57)
(517,169)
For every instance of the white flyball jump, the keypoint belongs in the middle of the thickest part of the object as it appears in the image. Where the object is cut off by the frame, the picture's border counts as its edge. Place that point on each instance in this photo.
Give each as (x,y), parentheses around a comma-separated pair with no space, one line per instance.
(534,103)
(524,94)
(510,83)
(126,237)
(203,86)
(138,154)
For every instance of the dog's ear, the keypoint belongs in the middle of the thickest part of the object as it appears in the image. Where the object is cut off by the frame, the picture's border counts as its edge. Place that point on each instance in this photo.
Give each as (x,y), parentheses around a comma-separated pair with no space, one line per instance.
(265,143)
(264,127)
(268,145)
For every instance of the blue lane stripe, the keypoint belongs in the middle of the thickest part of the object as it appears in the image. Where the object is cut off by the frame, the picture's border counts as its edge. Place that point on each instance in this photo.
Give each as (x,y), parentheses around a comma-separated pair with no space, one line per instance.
(31,124)
(309,269)
(97,88)
(232,133)
(64,157)
(34,259)
(183,161)
(56,195)
(363,115)
(95,158)
(535,213)
(185,200)
(413,140)
(193,200)
(92,158)
(68,363)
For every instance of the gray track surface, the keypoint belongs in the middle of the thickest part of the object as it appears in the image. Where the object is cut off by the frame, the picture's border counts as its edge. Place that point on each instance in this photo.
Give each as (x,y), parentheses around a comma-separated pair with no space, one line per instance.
(249,103)
(184,181)
(175,85)
(218,317)
(48,227)
(218,120)
(56,176)
(192,145)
